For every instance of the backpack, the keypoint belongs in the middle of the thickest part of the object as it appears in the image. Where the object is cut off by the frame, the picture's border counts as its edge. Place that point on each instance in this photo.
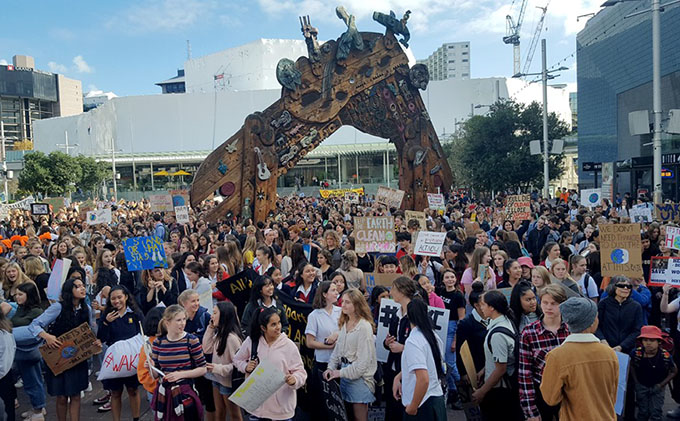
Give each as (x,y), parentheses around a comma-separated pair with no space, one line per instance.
(511,380)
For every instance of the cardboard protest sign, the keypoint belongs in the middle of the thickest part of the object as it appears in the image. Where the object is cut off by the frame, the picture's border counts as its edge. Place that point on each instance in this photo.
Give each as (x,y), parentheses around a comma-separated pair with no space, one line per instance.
(179,197)
(99,216)
(374,234)
(640,214)
(436,201)
(326,193)
(591,197)
(121,358)
(237,288)
(390,197)
(418,216)
(673,238)
(668,212)
(469,364)
(429,243)
(161,203)
(518,207)
(77,345)
(390,309)
(624,365)
(664,270)
(259,386)
(182,214)
(57,278)
(374,279)
(332,399)
(144,253)
(621,250)
(352,197)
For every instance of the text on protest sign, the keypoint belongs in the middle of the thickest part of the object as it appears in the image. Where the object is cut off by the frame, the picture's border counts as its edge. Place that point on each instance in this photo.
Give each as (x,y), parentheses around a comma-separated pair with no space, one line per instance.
(182,214)
(259,386)
(161,203)
(352,197)
(144,253)
(673,238)
(390,197)
(621,250)
(77,345)
(122,358)
(429,243)
(332,399)
(640,214)
(668,212)
(390,309)
(410,215)
(518,207)
(436,201)
(664,270)
(374,234)
(99,216)
(374,279)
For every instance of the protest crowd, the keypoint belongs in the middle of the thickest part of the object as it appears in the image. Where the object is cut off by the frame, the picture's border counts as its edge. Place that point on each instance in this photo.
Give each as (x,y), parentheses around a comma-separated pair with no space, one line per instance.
(343,309)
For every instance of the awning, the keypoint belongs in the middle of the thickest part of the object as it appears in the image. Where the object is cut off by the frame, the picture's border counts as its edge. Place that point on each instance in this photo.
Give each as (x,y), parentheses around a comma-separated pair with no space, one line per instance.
(162,173)
(180,172)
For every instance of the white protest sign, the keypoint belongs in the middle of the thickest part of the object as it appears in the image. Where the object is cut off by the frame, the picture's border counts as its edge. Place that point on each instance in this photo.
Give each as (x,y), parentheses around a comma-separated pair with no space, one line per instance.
(352,197)
(429,243)
(390,197)
(640,214)
(161,203)
(57,278)
(182,214)
(122,358)
(591,197)
(436,201)
(664,270)
(261,385)
(204,290)
(100,216)
(673,238)
(390,309)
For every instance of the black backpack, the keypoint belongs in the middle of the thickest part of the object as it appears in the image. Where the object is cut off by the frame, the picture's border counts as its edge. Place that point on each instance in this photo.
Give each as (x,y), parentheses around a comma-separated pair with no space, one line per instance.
(511,380)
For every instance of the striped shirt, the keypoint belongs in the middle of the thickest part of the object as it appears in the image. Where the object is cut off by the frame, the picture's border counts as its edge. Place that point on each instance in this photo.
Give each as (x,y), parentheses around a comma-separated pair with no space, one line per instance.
(170,356)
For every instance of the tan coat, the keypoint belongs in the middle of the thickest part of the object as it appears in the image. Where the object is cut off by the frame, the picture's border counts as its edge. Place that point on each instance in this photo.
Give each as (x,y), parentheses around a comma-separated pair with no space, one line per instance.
(582,374)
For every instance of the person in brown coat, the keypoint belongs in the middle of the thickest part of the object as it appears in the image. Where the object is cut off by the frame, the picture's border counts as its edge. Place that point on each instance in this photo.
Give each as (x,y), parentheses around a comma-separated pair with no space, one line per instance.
(582,374)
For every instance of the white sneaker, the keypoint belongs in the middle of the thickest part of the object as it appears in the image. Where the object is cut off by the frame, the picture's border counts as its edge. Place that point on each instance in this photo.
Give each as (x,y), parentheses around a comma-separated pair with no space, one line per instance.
(19,384)
(89,387)
(29,414)
(36,417)
(82,394)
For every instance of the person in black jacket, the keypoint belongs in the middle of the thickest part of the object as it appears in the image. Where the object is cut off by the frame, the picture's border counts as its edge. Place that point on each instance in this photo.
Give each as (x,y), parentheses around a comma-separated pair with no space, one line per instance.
(120,320)
(620,316)
(157,287)
(537,239)
(472,329)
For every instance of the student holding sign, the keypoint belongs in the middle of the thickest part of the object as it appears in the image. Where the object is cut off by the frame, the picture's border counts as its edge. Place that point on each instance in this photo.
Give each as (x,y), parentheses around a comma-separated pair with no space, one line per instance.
(59,318)
(120,320)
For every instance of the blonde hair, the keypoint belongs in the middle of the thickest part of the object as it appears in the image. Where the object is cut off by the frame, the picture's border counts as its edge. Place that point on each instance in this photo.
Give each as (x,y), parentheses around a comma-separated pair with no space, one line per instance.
(186,295)
(168,315)
(408,266)
(544,274)
(556,262)
(555,291)
(361,308)
(21,278)
(476,260)
(33,266)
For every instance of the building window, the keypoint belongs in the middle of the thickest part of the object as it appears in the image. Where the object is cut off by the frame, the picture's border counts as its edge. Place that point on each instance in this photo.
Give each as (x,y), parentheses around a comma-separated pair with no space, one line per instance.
(465,53)
(465,60)
(452,61)
(451,47)
(465,74)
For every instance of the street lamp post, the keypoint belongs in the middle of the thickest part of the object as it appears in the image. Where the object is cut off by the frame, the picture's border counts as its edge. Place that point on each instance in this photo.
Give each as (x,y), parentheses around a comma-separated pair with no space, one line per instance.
(545,75)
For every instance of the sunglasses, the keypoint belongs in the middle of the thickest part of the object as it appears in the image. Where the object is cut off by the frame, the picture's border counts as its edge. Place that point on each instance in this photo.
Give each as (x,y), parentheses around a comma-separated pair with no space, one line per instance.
(626,286)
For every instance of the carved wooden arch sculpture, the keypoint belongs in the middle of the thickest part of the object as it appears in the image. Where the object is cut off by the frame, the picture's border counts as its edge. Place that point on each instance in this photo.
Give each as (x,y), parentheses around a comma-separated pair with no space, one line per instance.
(362,80)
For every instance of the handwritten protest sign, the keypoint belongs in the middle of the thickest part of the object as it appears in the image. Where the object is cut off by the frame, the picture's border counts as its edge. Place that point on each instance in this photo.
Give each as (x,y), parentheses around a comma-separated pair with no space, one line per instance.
(332,399)
(374,279)
(182,214)
(57,278)
(429,243)
(262,384)
(77,345)
(122,358)
(410,215)
(668,212)
(99,216)
(352,197)
(591,197)
(237,288)
(390,197)
(640,214)
(621,250)
(436,201)
(161,203)
(144,253)
(673,238)
(374,234)
(518,207)
(179,197)
(389,308)
(664,270)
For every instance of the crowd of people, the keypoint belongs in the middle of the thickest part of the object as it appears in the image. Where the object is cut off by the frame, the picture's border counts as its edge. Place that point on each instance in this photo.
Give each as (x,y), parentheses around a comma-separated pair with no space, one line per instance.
(526,301)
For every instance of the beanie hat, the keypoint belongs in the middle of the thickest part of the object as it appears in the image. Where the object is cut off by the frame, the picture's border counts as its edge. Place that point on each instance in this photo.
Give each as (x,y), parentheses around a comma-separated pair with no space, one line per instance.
(578,313)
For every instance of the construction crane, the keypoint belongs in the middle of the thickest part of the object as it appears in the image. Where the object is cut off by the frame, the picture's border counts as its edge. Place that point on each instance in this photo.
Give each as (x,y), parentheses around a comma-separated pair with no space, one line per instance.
(534,40)
(512,35)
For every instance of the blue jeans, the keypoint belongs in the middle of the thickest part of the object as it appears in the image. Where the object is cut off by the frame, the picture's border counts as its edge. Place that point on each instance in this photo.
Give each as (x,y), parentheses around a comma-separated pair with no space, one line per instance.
(33,381)
(452,375)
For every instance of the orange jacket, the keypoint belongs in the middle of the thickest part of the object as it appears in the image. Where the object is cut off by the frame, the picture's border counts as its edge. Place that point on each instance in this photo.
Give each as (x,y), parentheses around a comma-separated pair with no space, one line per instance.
(143,374)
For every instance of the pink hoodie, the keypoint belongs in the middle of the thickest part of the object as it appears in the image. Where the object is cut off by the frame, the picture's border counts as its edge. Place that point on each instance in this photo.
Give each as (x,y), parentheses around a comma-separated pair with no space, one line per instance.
(284,354)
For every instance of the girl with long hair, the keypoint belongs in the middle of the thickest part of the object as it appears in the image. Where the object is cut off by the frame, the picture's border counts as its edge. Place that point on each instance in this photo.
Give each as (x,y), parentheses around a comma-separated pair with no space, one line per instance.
(249,250)
(179,355)
(524,306)
(14,276)
(499,260)
(265,257)
(408,266)
(353,275)
(179,271)
(333,245)
(540,277)
(480,258)
(353,360)
(433,299)
(549,253)
(222,340)
(263,295)
(454,301)
(325,269)
(497,396)
(512,274)
(418,385)
(106,274)
(67,314)
(560,275)
(303,288)
(267,342)
(157,287)
(120,321)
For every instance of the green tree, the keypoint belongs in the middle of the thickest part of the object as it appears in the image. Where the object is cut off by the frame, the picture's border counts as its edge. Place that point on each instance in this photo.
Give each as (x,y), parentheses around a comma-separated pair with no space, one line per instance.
(64,171)
(36,177)
(492,153)
(93,173)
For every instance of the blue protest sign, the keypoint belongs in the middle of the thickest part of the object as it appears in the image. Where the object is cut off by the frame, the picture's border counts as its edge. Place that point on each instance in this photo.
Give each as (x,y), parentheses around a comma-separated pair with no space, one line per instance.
(144,253)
